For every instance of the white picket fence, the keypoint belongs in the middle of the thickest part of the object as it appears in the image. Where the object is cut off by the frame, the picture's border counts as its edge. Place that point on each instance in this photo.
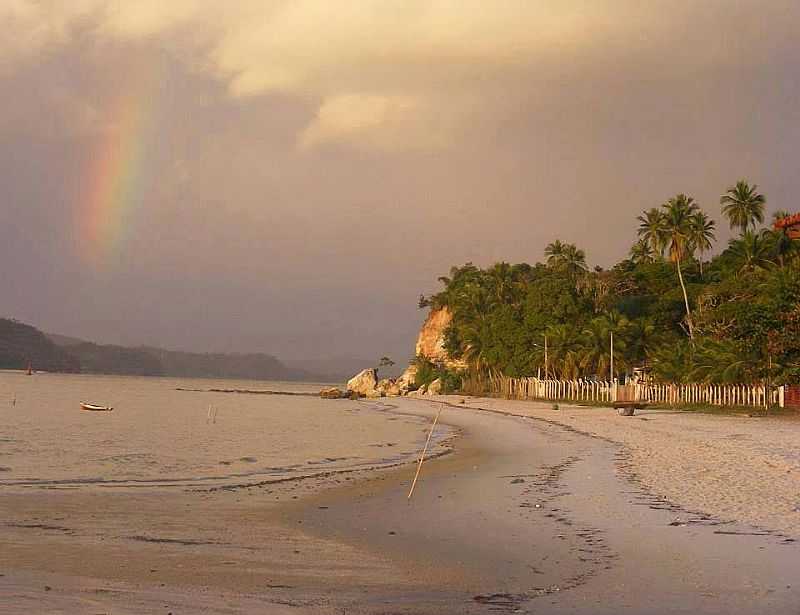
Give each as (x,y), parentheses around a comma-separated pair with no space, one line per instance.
(608,392)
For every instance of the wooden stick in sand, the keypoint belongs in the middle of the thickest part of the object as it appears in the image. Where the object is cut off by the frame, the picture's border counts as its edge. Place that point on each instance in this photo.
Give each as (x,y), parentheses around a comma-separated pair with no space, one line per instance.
(424,450)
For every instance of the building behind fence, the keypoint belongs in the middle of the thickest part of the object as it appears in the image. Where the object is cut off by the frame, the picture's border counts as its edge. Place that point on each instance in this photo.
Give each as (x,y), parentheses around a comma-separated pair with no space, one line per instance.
(608,392)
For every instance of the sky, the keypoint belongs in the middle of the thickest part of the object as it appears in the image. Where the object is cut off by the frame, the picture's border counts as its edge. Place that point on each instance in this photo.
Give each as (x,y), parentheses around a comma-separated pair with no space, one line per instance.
(287,176)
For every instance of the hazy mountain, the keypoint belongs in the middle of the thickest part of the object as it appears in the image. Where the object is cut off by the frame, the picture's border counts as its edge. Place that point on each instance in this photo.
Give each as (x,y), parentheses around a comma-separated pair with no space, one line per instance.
(152,361)
(21,344)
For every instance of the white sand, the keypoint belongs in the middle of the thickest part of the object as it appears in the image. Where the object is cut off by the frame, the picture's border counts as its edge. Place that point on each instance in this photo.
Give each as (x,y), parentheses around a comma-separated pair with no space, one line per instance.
(731,467)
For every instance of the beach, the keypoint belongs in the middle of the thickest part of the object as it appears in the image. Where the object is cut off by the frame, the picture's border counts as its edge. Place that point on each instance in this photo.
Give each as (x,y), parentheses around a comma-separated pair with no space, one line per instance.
(570,511)
(731,466)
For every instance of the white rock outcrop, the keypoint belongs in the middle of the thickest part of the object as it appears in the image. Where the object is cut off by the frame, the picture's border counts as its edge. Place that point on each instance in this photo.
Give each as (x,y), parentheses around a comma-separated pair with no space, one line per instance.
(364,383)
(331,393)
(389,388)
(406,381)
(435,387)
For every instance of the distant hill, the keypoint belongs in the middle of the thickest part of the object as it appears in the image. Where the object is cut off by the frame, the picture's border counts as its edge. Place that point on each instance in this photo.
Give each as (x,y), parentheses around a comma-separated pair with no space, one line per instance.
(21,343)
(152,361)
(117,360)
(251,366)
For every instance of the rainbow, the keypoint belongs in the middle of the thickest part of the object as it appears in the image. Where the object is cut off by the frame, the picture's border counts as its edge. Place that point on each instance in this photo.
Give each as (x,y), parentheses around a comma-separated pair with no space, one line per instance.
(116,179)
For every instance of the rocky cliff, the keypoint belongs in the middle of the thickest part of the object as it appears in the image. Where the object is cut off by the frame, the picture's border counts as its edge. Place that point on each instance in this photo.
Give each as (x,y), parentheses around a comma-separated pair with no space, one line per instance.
(430,342)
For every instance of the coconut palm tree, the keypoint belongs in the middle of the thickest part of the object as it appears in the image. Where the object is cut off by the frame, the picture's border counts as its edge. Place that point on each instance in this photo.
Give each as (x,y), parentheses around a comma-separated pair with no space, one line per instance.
(752,250)
(564,351)
(677,234)
(651,229)
(566,257)
(723,361)
(702,234)
(743,205)
(642,252)
(474,336)
(596,343)
(673,362)
(501,279)
(641,335)
(554,252)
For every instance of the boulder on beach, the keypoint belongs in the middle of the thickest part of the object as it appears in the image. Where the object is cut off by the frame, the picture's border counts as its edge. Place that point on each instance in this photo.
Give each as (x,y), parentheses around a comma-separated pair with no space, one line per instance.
(364,383)
(420,391)
(331,393)
(406,381)
(388,388)
(435,387)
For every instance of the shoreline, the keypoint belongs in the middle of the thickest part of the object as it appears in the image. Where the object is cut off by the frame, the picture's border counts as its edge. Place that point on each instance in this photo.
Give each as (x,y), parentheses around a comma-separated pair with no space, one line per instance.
(692,459)
(525,514)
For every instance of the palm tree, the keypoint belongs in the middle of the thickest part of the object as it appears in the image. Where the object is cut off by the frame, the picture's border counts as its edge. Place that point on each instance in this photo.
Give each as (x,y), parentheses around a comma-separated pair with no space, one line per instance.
(752,250)
(575,260)
(595,353)
(651,229)
(743,205)
(566,257)
(554,252)
(677,233)
(564,351)
(641,335)
(724,361)
(702,234)
(501,279)
(673,362)
(642,252)
(474,336)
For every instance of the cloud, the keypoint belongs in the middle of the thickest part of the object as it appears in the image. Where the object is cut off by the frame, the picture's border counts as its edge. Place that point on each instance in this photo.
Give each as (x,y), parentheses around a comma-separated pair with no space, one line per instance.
(409,55)
(374,122)
(382,71)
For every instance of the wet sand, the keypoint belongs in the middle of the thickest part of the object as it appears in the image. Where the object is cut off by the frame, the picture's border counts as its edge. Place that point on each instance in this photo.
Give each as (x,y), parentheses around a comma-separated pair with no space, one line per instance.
(525,515)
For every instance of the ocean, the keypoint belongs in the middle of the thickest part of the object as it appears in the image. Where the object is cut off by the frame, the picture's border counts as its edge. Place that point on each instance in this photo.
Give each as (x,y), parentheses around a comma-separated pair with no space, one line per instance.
(161,437)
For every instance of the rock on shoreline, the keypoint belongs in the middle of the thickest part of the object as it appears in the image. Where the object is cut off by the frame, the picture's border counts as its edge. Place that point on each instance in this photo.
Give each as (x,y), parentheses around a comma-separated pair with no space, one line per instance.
(366,384)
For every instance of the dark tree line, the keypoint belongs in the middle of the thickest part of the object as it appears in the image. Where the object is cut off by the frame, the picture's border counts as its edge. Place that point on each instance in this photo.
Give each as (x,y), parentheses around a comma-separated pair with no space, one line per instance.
(735,318)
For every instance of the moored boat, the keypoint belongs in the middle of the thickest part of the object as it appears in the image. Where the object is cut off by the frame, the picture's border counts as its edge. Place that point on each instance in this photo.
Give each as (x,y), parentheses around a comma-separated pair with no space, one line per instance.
(95,408)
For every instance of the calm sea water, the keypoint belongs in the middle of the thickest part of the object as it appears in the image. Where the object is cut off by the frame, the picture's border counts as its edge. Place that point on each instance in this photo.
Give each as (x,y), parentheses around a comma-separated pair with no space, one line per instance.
(158,436)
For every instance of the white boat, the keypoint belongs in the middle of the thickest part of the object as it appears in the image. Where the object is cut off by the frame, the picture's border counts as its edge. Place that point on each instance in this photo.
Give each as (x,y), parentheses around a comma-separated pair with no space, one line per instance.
(95,408)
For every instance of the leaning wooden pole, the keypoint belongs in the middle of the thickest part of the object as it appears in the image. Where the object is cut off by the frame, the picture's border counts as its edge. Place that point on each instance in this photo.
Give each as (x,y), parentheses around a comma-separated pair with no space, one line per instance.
(424,450)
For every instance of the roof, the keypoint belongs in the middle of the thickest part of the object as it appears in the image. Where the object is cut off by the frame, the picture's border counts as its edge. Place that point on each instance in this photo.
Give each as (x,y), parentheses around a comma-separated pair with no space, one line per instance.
(787,221)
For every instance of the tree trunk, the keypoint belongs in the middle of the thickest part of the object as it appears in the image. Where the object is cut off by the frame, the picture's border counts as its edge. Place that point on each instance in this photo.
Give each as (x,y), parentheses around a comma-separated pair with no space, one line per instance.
(685,300)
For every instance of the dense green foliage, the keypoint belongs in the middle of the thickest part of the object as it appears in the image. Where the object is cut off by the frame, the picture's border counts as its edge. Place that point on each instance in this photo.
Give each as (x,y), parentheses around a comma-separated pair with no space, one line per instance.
(733,319)
(428,371)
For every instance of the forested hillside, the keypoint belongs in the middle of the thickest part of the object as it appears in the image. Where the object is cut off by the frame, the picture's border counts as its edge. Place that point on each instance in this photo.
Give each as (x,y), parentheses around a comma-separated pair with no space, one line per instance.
(21,344)
(119,360)
(148,361)
(735,318)
(251,366)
